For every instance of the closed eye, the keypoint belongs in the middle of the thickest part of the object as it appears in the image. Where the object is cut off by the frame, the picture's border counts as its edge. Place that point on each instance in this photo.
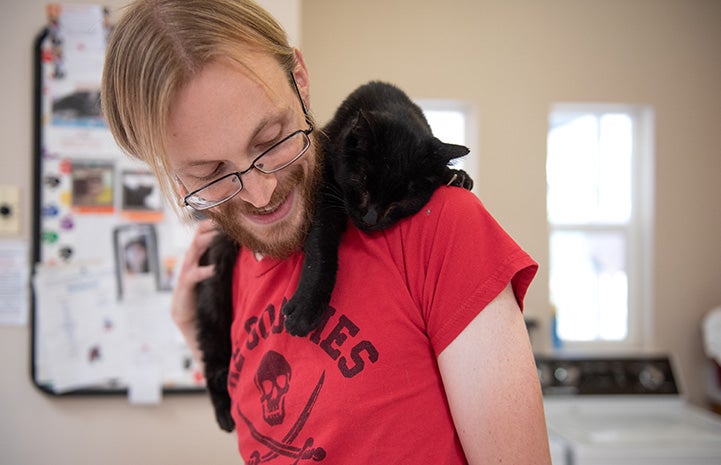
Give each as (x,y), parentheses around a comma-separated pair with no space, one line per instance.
(264,146)
(267,138)
(220,169)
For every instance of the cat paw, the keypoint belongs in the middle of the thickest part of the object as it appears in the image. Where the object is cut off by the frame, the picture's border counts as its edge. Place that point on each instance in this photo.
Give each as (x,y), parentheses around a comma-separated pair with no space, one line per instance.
(460,178)
(301,317)
(225,420)
(217,385)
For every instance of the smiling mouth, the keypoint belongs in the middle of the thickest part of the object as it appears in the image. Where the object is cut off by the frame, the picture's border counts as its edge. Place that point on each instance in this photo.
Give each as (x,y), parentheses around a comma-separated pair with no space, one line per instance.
(273,214)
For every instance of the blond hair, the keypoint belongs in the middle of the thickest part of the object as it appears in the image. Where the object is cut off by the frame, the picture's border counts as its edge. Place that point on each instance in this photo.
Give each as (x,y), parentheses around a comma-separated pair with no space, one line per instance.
(157,47)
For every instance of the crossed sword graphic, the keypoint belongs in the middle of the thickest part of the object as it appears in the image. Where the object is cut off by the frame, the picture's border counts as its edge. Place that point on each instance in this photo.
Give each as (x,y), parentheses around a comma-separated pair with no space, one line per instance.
(283,447)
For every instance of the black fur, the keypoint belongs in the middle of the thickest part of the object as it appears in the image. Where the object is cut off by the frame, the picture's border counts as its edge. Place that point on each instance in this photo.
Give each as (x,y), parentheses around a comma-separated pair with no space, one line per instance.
(215,313)
(381,164)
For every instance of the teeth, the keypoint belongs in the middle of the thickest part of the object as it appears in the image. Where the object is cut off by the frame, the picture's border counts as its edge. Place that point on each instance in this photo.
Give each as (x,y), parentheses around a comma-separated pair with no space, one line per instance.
(267,211)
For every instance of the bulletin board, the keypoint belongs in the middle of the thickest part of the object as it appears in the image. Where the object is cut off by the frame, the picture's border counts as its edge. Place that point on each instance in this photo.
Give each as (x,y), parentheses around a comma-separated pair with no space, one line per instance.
(105,243)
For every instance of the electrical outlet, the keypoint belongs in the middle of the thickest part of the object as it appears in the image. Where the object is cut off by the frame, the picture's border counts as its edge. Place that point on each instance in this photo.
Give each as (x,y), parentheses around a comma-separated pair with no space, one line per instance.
(9,210)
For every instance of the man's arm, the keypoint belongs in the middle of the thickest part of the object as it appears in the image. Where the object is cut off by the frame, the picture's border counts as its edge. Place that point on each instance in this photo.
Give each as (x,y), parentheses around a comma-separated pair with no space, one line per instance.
(493,389)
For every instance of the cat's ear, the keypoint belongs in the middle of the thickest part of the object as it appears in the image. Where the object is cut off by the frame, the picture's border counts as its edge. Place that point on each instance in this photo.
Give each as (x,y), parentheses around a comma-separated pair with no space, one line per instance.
(362,123)
(360,133)
(448,152)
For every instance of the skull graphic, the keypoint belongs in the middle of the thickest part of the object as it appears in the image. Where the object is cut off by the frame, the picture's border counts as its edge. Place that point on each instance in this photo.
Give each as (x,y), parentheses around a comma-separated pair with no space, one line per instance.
(273,382)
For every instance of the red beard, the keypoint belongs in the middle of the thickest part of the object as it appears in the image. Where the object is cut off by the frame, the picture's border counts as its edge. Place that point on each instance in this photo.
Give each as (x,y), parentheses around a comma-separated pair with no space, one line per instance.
(279,242)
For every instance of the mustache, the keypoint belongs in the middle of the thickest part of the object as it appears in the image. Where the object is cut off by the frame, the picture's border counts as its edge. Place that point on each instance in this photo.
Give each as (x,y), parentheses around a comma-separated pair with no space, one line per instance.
(277,241)
(281,192)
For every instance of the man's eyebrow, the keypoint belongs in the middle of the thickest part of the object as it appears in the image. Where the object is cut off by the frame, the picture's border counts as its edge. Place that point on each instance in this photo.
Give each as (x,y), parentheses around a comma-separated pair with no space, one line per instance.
(196,163)
(262,124)
(279,115)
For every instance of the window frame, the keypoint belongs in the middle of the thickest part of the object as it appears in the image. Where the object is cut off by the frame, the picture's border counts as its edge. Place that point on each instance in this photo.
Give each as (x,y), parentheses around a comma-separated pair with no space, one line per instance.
(638,231)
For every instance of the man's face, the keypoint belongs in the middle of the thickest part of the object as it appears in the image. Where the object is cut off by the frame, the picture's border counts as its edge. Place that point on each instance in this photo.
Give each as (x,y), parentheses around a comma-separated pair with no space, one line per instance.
(220,122)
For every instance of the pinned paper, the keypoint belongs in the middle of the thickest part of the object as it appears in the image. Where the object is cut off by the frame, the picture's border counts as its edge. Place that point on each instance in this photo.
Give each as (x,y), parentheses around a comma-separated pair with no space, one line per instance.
(81,329)
(73,59)
(14,274)
(145,381)
(146,315)
(712,334)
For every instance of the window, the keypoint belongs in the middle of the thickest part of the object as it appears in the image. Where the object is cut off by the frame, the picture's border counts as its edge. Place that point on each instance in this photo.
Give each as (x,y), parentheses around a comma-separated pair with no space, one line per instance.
(599,171)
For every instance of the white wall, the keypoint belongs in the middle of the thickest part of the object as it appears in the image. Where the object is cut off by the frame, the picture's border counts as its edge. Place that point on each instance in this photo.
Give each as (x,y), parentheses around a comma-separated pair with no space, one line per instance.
(36,428)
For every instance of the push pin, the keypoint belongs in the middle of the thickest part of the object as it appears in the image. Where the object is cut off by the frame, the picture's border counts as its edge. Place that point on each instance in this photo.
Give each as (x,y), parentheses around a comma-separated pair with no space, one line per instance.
(9,210)
(6,210)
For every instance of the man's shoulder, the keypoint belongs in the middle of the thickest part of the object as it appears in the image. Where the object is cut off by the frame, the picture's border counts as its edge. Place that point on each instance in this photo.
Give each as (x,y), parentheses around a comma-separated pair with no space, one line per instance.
(449,202)
(447,206)
(453,196)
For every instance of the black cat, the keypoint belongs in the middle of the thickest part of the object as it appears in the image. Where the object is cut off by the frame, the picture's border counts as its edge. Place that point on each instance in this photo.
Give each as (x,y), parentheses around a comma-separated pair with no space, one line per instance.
(381,164)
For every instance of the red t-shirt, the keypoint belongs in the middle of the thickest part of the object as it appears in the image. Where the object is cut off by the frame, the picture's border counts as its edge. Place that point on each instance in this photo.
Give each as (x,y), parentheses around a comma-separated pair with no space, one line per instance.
(365,387)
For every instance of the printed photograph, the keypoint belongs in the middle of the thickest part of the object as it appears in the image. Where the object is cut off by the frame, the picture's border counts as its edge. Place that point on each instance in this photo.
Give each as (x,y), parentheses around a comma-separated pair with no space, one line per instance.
(140,191)
(92,185)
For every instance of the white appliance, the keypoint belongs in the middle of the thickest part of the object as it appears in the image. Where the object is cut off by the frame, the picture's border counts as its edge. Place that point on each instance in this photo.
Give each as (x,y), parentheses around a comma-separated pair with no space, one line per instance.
(623,411)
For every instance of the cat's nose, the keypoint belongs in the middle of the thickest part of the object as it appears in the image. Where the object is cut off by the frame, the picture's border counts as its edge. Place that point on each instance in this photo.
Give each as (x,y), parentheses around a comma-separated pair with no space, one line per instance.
(371,217)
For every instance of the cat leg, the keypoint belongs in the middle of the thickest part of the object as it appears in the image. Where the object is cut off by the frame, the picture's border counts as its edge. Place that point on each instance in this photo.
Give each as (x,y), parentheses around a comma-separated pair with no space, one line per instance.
(304,311)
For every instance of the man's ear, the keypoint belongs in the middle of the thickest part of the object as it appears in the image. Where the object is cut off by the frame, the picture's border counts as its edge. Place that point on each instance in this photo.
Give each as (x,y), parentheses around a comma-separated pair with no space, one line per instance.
(300,73)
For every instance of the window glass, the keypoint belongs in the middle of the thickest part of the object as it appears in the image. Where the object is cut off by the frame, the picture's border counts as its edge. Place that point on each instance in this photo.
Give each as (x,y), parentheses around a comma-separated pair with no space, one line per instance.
(589,169)
(589,285)
(450,127)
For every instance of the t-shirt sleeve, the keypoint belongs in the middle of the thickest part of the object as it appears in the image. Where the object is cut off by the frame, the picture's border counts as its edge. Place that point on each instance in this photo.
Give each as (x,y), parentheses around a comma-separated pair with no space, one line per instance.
(458,259)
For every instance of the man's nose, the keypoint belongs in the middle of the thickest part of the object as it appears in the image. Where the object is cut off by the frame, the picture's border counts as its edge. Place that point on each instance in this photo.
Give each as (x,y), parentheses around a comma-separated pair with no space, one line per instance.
(258,188)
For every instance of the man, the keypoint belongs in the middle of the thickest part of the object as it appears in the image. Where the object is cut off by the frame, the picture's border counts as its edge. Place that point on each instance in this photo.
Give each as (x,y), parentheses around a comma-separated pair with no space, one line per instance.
(423,356)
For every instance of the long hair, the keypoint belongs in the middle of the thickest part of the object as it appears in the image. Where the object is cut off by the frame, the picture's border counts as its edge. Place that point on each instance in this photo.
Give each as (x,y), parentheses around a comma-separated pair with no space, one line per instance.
(157,47)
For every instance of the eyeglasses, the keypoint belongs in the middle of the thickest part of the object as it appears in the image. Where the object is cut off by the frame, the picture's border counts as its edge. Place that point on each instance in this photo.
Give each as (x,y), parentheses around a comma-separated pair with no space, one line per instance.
(280,155)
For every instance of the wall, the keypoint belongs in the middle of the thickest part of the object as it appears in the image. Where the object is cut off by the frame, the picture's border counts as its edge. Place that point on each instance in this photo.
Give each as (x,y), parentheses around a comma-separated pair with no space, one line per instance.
(35,428)
(512,59)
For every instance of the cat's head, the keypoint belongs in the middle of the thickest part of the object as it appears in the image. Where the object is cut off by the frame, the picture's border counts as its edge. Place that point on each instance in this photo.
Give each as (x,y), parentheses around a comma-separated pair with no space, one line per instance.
(388,169)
